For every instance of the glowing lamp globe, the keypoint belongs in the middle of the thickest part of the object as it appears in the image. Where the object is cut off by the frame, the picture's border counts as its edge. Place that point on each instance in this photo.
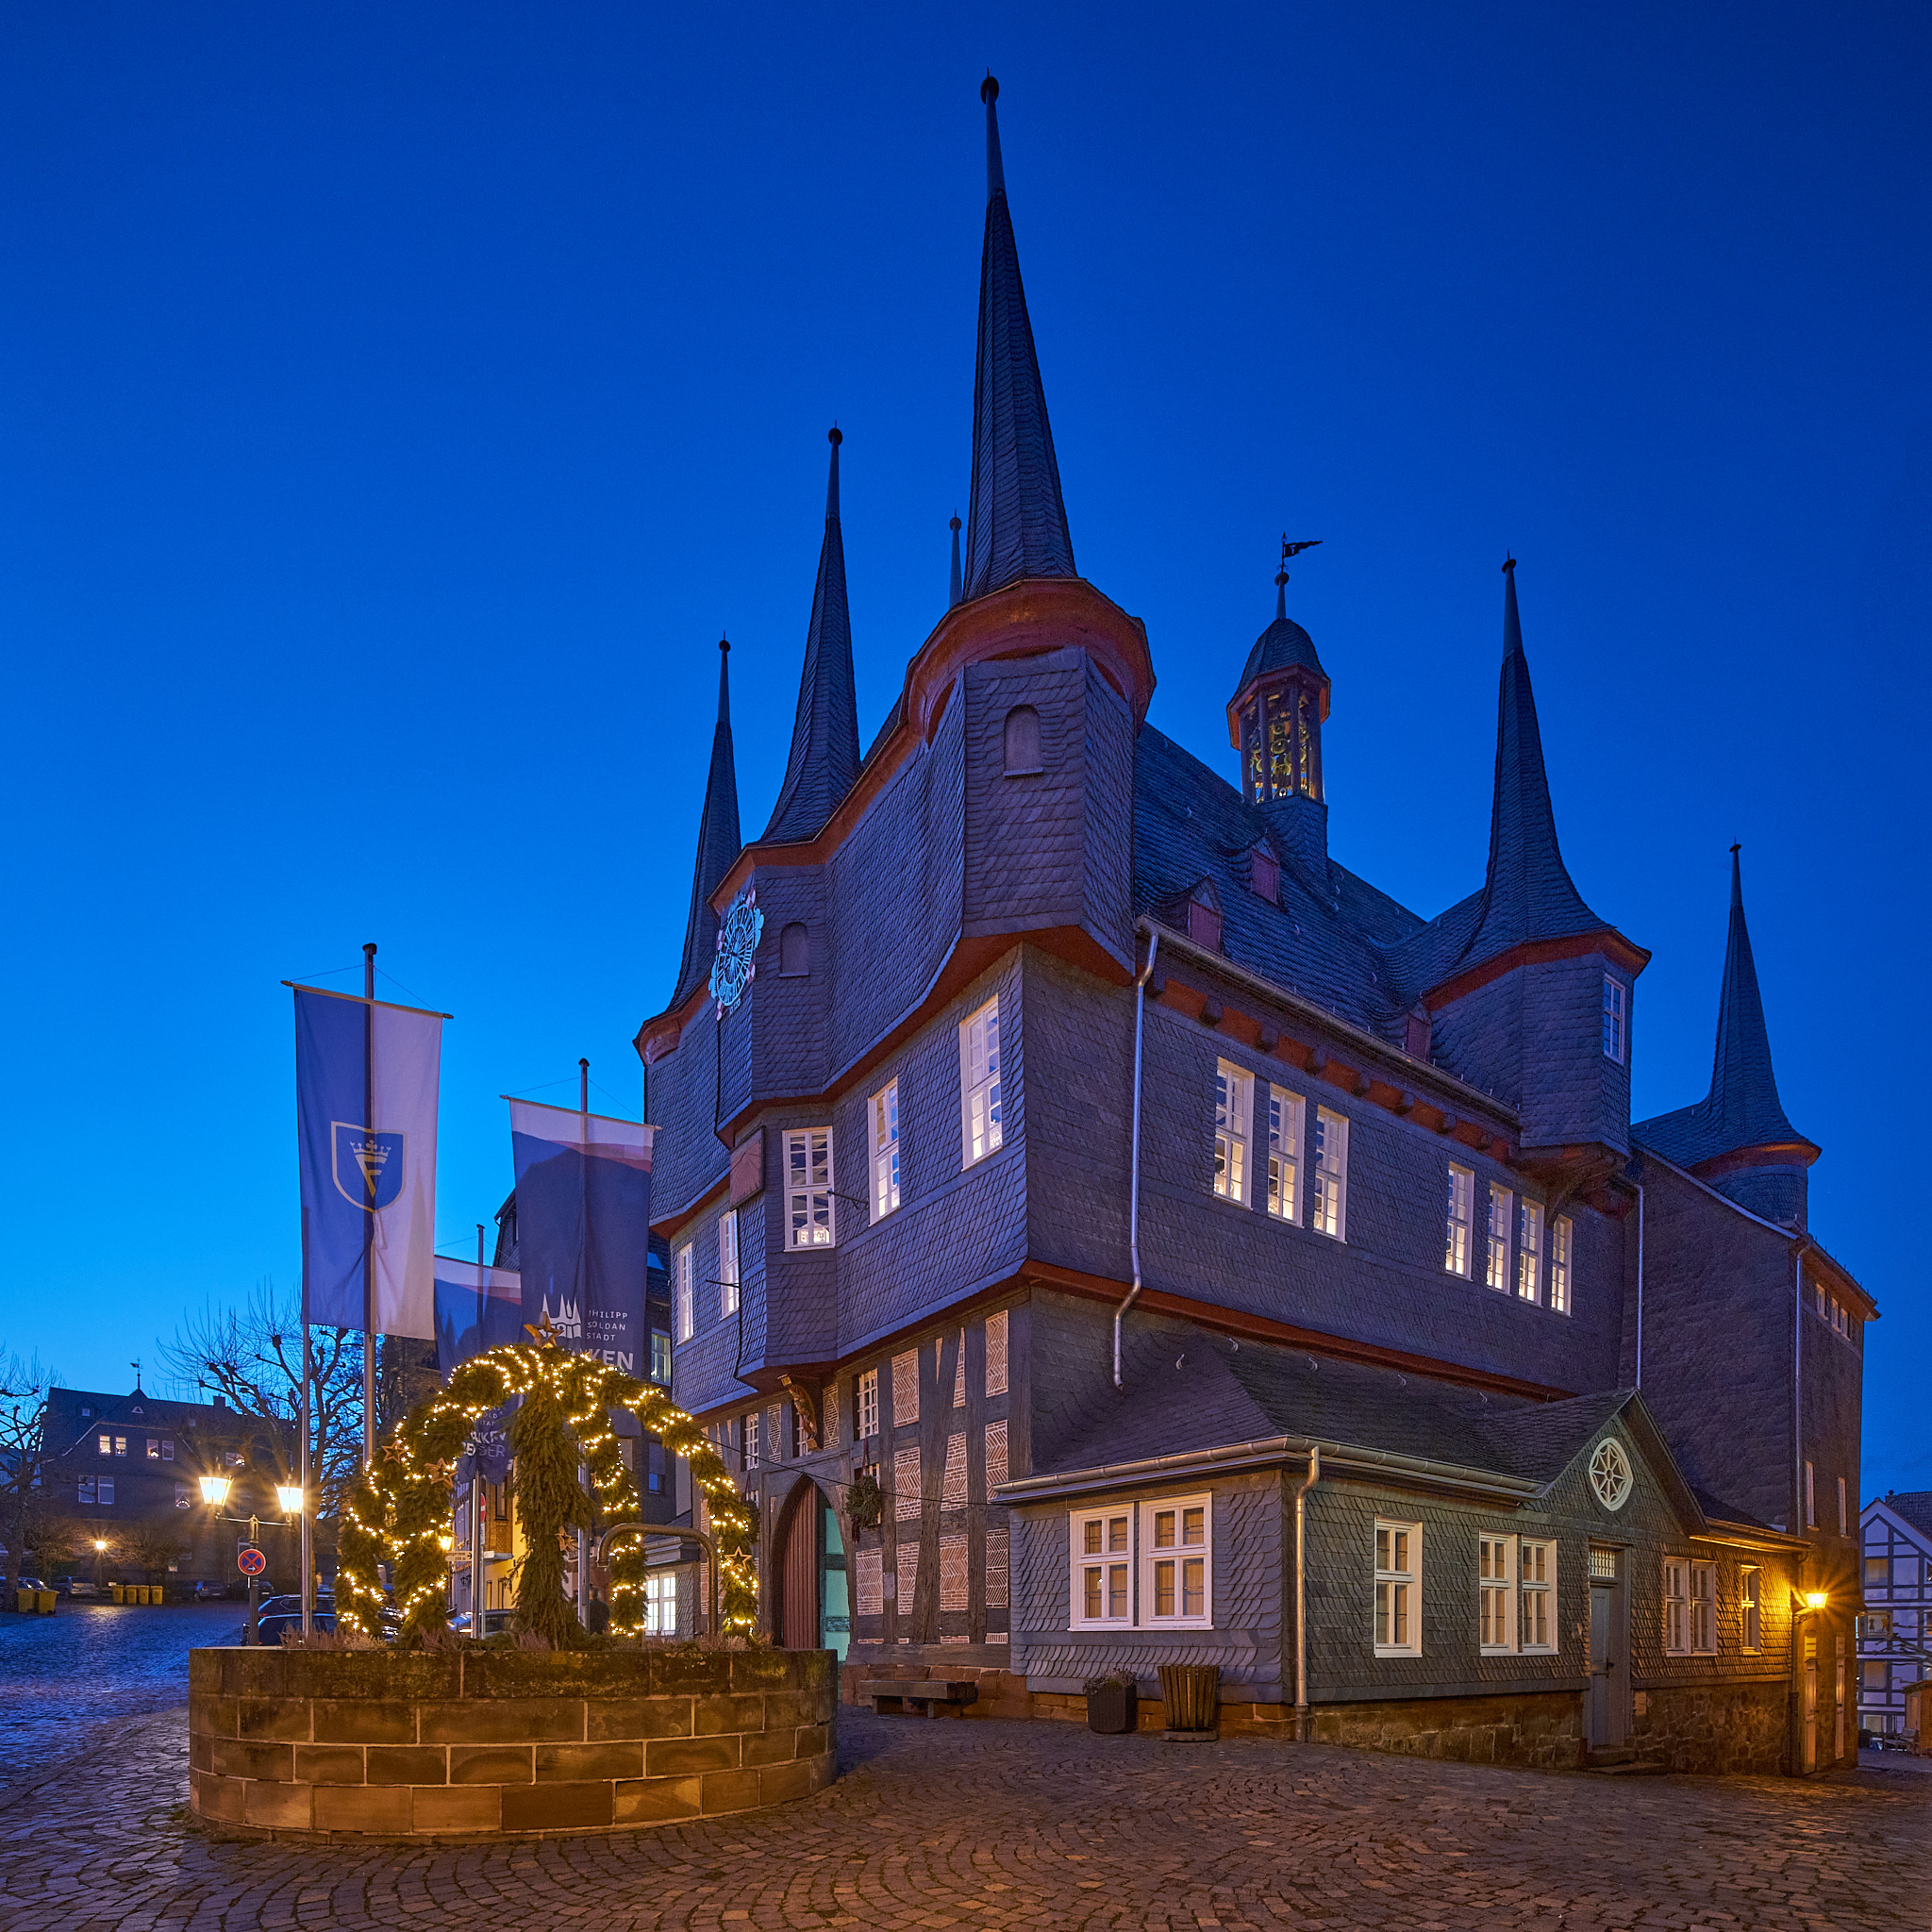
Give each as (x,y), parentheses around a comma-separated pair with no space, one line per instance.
(214,1489)
(1816,1599)
(289,1497)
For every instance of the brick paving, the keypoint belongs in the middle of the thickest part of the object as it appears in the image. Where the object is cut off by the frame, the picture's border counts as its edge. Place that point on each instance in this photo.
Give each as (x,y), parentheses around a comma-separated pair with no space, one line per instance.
(999,1825)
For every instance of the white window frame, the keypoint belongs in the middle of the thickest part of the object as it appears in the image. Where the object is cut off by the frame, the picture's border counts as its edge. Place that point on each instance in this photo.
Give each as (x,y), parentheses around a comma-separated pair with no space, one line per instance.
(753,1427)
(1536,1595)
(1562,1263)
(1502,1226)
(1677,1606)
(1402,1574)
(982,1127)
(1529,1254)
(1702,1609)
(868,1404)
(1750,1619)
(811,1211)
(1495,1594)
(1328,1175)
(660,1604)
(683,1298)
(729,1283)
(1182,1552)
(1286,1113)
(882,1111)
(1616,1018)
(1461,1206)
(1234,1098)
(1810,1498)
(84,1489)
(1109,1564)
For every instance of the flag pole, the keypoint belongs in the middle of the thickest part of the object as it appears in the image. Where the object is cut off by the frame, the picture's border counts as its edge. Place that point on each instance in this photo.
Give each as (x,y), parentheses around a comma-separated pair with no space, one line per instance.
(583,1312)
(369,1211)
(476,1475)
(302,1473)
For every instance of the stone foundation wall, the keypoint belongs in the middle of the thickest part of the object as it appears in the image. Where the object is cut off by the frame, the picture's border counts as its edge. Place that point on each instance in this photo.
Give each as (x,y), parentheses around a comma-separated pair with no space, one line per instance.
(1742,1727)
(326,1744)
(1544,1730)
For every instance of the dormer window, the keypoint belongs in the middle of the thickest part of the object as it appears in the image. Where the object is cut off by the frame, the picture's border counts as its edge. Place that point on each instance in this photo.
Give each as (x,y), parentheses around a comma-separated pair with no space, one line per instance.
(1264,875)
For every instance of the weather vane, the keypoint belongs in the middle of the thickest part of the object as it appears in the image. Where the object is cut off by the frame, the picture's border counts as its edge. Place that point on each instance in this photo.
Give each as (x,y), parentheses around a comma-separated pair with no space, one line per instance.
(1289,550)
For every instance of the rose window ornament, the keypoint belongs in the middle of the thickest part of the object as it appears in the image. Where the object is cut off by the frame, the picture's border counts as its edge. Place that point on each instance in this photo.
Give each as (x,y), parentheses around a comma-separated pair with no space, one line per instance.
(1609,1475)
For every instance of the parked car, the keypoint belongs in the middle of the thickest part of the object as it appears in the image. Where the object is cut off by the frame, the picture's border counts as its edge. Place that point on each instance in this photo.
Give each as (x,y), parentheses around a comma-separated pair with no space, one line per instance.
(78,1586)
(493,1621)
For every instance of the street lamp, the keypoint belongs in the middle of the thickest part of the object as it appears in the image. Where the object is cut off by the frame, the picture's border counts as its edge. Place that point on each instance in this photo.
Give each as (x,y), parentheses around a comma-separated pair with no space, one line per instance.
(214,1491)
(289,1497)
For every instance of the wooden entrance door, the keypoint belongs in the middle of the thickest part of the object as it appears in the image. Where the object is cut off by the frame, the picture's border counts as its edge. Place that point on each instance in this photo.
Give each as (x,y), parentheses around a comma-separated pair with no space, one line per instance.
(797,1622)
(1809,1743)
(1609,1679)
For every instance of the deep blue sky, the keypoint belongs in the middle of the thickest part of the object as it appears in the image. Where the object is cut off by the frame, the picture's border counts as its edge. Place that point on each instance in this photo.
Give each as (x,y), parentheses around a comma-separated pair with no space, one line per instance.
(399,401)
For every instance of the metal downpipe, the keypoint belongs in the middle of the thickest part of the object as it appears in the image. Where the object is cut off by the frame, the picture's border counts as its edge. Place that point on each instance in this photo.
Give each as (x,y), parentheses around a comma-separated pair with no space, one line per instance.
(1301,1592)
(1133,1294)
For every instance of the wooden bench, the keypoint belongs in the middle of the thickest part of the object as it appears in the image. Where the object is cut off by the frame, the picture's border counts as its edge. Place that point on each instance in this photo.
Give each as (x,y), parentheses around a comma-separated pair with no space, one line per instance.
(947,1695)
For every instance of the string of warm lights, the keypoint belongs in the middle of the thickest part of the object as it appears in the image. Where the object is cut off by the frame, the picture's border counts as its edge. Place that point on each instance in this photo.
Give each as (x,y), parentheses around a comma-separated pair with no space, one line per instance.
(399,1512)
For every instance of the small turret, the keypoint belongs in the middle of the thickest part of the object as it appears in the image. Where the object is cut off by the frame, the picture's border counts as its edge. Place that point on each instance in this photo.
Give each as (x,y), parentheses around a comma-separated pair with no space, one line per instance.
(718,842)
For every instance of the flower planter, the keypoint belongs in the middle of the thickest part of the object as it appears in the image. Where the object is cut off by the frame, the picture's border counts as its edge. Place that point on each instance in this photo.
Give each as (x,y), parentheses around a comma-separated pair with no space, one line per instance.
(1191,1694)
(356,1744)
(1113,1709)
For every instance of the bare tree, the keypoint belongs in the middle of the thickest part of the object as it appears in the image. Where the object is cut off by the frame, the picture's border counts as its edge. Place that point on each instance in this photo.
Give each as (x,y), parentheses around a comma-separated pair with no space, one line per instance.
(251,1356)
(25,1504)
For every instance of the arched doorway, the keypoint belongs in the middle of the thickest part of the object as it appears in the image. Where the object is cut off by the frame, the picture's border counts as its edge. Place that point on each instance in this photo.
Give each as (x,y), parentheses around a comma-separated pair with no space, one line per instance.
(811,1608)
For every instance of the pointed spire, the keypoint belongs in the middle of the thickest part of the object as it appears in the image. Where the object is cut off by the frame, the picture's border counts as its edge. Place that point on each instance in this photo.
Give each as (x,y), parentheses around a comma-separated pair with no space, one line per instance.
(956,591)
(1742,1106)
(825,732)
(1527,894)
(718,842)
(1016,524)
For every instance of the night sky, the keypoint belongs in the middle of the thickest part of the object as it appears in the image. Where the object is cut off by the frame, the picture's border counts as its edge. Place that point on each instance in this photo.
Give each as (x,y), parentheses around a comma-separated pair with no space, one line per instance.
(399,402)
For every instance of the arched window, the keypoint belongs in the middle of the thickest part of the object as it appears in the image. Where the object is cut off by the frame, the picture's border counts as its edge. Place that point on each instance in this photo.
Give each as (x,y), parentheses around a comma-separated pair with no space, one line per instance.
(795,955)
(1023,740)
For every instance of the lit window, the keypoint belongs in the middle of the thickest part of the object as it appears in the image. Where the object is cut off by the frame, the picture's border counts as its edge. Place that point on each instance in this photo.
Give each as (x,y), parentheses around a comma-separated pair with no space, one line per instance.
(727,1263)
(1501,1205)
(1747,1606)
(1704,1609)
(1328,1196)
(810,1221)
(1536,1585)
(660,1604)
(1494,1594)
(1613,1019)
(1284,1154)
(1562,1235)
(1231,1093)
(1174,1562)
(154,1448)
(1398,1589)
(107,1443)
(1103,1567)
(182,1499)
(979,1083)
(661,1356)
(120,1446)
(682,1274)
(1462,1193)
(868,1404)
(1529,1260)
(1676,1608)
(885,1151)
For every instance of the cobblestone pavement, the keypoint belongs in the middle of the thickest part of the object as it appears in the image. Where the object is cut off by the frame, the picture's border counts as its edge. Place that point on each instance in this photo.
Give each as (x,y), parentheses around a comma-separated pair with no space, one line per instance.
(997,1824)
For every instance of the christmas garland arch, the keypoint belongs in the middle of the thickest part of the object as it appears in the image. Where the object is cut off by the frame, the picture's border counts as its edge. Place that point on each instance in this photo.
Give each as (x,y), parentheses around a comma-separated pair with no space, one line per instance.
(399,1512)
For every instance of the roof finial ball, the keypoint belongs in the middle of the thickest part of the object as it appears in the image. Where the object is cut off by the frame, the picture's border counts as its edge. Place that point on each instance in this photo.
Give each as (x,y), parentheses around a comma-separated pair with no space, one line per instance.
(725,645)
(1508,565)
(989,89)
(833,436)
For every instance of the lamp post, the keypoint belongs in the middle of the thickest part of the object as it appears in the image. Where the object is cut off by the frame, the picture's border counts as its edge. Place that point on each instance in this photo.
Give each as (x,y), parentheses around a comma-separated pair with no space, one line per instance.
(100,1551)
(292,1500)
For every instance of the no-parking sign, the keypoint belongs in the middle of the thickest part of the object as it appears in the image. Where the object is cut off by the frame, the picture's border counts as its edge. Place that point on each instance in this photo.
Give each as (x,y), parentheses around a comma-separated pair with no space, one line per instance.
(251,1560)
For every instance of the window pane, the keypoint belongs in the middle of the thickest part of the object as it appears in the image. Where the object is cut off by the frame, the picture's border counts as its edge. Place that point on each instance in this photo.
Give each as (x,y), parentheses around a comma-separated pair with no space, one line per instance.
(1117,1533)
(1163,1530)
(1093,1531)
(1193,1526)
(1382,1613)
(1092,1594)
(1117,1590)
(1193,1588)
(1163,1587)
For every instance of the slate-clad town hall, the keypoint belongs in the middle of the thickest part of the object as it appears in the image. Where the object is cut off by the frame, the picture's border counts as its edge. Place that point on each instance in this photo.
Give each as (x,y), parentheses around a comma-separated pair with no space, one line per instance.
(1106,1232)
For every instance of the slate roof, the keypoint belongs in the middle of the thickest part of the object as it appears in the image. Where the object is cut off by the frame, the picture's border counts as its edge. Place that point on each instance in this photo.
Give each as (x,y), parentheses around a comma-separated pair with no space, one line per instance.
(1017,524)
(823,762)
(719,843)
(1526,892)
(1325,938)
(1914,1506)
(1742,1109)
(1283,644)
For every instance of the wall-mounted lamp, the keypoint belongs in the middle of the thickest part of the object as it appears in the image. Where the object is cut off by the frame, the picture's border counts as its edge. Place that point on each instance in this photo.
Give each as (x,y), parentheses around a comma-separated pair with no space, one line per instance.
(1814,1600)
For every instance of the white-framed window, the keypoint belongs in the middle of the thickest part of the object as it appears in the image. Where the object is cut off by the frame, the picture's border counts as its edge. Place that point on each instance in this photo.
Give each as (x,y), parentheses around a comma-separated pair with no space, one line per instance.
(1843,1523)
(1103,1567)
(1233,1093)
(1284,1154)
(1536,1593)
(1810,1498)
(1614,1028)
(107,1443)
(868,1404)
(1529,1259)
(661,1356)
(1461,1197)
(1495,1593)
(811,1217)
(1501,1205)
(1398,1617)
(1562,1236)
(683,1295)
(85,1489)
(1677,1606)
(1704,1609)
(884,1114)
(1176,1567)
(979,1083)
(1750,1631)
(1328,1159)
(727,1263)
(660,1604)
(754,1438)
(107,1488)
